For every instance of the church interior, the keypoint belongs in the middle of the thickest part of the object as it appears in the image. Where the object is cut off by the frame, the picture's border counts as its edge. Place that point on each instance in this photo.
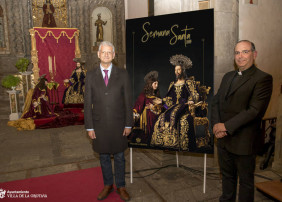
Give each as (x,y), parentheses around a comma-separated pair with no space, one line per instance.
(62,45)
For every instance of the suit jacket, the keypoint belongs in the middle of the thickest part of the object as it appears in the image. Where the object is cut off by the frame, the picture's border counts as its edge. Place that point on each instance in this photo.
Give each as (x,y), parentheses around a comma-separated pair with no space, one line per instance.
(241,109)
(108,109)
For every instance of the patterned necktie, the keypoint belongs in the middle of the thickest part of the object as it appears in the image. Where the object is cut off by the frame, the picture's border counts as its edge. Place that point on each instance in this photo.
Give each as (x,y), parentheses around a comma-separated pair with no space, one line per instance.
(106,79)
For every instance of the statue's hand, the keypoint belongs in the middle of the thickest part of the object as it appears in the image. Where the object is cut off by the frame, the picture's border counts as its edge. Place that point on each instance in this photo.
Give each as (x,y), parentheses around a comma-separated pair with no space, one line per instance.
(136,116)
(157,101)
(45,98)
(35,104)
(190,102)
(66,81)
(149,106)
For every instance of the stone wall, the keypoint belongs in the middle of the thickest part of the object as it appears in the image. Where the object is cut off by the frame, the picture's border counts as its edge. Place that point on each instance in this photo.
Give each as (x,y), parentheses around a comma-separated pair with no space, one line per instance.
(18,21)
(266,35)
(79,13)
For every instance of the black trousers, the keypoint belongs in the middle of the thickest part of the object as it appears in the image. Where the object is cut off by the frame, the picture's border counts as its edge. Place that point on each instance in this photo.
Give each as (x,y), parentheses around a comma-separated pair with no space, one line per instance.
(119,167)
(233,166)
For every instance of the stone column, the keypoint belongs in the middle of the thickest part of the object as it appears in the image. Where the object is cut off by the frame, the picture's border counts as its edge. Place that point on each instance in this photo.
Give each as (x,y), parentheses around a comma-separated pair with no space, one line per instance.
(277,163)
(162,7)
(34,56)
(226,32)
(226,28)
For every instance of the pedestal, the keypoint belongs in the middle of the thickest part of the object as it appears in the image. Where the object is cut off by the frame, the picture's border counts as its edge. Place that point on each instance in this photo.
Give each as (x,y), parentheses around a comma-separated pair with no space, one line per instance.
(14,104)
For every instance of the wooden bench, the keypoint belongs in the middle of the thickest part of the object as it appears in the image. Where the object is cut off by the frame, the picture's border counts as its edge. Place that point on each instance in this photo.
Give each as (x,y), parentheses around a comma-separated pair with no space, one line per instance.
(272,188)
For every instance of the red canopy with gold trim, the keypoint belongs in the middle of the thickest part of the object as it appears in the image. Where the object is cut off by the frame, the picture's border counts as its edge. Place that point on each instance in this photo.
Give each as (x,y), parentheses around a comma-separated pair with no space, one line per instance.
(53,51)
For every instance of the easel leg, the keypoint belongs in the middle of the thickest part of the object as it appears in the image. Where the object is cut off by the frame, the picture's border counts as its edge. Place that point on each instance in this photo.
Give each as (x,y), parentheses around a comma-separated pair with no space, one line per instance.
(205,173)
(177,162)
(131,172)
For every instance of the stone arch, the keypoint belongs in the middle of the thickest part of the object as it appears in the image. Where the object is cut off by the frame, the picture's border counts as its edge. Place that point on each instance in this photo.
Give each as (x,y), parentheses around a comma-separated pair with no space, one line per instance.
(106,15)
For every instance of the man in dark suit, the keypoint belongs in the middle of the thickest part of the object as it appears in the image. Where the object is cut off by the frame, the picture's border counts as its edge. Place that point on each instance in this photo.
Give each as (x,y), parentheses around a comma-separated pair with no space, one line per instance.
(108,117)
(237,111)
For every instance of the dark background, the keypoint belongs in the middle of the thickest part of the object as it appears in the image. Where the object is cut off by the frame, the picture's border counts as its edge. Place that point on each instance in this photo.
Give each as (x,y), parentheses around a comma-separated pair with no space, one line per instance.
(155,53)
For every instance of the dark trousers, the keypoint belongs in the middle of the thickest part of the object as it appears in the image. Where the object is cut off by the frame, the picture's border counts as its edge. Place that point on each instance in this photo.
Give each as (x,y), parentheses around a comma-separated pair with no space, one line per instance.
(233,166)
(119,167)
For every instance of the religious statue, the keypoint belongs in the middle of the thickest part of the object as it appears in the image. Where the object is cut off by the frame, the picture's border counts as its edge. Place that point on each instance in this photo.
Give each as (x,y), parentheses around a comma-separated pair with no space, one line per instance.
(99,33)
(74,93)
(145,112)
(174,128)
(37,104)
(48,19)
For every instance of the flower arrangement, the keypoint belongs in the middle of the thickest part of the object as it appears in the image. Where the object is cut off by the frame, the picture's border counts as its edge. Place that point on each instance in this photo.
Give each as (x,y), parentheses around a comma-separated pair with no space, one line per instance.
(10,81)
(22,64)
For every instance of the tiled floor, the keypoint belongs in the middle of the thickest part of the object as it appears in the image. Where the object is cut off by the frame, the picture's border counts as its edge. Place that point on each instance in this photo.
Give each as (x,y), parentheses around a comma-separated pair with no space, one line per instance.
(26,154)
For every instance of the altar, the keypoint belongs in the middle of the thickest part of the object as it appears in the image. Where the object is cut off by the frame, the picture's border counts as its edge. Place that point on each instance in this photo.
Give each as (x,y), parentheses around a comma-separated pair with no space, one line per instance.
(53,53)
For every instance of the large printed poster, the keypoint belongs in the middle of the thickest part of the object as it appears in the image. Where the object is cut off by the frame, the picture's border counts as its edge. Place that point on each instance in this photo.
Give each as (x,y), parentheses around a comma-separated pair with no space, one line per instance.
(170,61)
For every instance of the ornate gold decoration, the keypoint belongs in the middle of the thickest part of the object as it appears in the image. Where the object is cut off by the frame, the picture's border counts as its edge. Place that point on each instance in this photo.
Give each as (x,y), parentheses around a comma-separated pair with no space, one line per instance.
(63,33)
(60,14)
(52,85)
(178,90)
(168,101)
(34,56)
(138,140)
(181,60)
(167,134)
(74,97)
(184,128)
(77,49)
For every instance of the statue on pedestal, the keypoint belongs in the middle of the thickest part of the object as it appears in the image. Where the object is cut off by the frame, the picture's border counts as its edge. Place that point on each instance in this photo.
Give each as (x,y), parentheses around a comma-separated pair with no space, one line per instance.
(74,93)
(48,19)
(99,33)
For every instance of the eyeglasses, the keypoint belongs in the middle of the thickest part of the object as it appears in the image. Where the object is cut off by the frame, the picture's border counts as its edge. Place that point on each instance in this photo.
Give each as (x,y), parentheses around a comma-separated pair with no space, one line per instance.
(244,52)
(106,52)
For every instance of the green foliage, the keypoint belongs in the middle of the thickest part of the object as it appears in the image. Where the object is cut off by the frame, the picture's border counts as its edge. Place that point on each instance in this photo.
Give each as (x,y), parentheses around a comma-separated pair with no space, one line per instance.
(10,81)
(22,64)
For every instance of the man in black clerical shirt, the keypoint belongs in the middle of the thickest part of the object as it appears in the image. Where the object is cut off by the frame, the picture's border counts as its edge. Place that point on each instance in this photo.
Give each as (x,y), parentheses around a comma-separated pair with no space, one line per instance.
(237,111)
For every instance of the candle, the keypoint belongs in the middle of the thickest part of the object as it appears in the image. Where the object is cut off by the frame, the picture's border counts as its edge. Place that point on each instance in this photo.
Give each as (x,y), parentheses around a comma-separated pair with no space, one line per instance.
(50,63)
(55,65)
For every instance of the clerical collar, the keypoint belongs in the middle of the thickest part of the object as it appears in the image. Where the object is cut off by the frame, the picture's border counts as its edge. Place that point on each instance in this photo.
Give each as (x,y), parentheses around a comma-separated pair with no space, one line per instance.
(245,72)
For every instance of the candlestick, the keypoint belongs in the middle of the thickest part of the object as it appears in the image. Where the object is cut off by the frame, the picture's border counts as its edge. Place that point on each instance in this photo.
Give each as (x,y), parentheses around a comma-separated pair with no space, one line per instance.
(55,66)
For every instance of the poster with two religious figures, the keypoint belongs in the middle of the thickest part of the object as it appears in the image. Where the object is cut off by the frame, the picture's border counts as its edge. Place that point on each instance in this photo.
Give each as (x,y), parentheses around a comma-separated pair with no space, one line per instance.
(170,62)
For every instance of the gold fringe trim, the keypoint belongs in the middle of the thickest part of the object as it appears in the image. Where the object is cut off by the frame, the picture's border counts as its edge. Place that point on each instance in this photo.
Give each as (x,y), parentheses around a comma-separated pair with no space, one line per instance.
(63,33)
(22,124)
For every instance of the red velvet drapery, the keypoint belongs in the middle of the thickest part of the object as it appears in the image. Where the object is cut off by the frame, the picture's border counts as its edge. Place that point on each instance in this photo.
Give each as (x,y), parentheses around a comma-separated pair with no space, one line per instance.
(59,44)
